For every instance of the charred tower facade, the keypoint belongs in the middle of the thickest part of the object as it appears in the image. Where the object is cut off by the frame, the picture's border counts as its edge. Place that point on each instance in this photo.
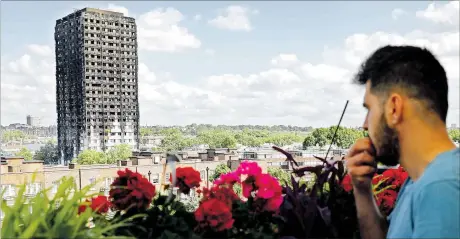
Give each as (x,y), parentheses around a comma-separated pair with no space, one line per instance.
(96,81)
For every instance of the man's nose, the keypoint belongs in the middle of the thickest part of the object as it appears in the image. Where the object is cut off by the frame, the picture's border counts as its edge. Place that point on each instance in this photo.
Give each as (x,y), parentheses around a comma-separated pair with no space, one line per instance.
(365,125)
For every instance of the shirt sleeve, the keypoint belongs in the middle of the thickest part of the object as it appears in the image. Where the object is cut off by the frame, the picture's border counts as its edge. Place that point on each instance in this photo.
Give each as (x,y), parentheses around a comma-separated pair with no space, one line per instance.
(436,210)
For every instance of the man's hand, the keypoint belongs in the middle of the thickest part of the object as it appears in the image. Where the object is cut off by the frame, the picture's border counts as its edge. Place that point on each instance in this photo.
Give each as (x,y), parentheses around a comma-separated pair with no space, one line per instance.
(361,164)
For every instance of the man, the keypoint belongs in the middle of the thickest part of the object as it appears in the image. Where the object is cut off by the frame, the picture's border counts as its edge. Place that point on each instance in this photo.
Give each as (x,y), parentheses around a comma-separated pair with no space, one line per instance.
(406,101)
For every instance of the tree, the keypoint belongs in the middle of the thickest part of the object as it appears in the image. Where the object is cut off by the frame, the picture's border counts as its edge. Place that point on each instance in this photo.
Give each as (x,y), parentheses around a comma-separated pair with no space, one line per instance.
(25,153)
(347,137)
(174,140)
(344,139)
(91,157)
(217,139)
(454,134)
(282,176)
(119,152)
(143,133)
(13,135)
(48,153)
(220,169)
(309,141)
(321,136)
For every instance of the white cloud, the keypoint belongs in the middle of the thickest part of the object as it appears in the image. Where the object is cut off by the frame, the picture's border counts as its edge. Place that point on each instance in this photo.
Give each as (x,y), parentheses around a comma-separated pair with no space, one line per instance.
(284,60)
(28,86)
(116,8)
(160,30)
(441,13)
(234,18)
(397,13)
(42,50)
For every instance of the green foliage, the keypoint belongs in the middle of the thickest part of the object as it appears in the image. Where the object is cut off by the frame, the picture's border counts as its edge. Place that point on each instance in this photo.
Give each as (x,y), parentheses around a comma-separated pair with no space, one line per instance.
(454,134)
(220,169)
(174,140)
(92,157)
(194,129)
(48,153)
(165,219)
(323,136)
(177,139)
(283,177)
(13,135)
(44,217)
(309,141)
(118,152)
(217,139)
(25,153)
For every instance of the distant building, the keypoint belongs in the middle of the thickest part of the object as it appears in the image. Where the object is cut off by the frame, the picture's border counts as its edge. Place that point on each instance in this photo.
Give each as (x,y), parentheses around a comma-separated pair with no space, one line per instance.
(96,81)
(453,126)
(33,121)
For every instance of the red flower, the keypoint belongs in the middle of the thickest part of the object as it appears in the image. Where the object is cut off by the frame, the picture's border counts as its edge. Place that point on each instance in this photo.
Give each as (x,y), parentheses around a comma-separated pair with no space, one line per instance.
(187,178)
(386,200)
(222,193)
(346,183)
(99,204)
(376,179)
(396,176)
(214,214)
(83,206)
(131,189)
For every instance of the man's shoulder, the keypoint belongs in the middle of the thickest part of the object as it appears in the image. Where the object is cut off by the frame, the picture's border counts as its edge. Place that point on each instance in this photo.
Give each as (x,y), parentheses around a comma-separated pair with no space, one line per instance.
(446,167)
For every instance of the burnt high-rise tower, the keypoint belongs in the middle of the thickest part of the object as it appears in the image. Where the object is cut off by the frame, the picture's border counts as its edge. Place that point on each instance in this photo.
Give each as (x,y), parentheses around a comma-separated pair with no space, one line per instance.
(96,81)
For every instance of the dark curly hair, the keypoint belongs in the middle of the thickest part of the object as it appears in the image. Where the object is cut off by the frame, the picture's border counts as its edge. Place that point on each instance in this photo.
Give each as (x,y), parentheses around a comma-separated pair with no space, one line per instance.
(413,70)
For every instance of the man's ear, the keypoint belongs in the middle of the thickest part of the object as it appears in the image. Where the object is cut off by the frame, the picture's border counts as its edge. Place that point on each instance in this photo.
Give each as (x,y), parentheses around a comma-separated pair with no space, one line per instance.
(394,109)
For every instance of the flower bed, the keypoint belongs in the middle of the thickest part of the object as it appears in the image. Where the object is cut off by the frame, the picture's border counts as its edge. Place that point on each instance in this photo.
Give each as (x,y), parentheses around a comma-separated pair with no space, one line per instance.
(263,209)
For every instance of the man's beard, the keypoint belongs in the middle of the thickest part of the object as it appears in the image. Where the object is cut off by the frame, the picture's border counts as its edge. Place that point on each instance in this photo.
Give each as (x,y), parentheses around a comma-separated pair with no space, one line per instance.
(386,144)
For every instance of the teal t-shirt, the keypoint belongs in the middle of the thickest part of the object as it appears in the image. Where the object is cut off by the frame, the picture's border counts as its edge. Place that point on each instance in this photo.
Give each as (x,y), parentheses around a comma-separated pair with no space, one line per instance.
(429,207)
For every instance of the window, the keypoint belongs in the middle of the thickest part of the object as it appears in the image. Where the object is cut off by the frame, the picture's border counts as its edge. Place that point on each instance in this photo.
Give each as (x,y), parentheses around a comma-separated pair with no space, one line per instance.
(10,190)
(33,188)
(108,181)
(155,178)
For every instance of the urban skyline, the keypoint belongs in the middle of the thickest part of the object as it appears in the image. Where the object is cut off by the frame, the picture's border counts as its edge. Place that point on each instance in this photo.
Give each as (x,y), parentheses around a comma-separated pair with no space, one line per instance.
(232,63)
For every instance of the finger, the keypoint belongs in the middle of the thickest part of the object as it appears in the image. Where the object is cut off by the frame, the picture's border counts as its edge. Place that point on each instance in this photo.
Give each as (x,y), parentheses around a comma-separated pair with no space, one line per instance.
(361,171)
(363,144)
(363,158)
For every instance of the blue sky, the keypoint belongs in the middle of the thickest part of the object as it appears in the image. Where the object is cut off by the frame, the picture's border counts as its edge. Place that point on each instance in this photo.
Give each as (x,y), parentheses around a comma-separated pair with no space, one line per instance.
(217,73)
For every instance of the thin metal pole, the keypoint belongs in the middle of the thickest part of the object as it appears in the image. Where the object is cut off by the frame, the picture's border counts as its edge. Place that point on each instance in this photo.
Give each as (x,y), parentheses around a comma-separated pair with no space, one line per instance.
(79,176)
(207,177)
(336,129)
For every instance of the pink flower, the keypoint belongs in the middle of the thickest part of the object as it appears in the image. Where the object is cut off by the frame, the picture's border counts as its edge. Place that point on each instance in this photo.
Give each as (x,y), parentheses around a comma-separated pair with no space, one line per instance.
(249,168)
(228,178)
(247,188)
(267,186)
(273,203)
